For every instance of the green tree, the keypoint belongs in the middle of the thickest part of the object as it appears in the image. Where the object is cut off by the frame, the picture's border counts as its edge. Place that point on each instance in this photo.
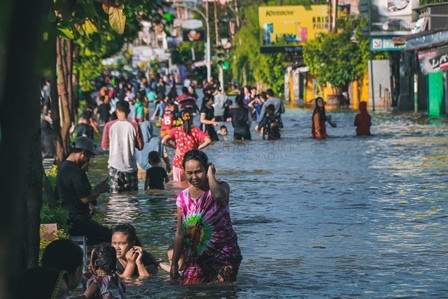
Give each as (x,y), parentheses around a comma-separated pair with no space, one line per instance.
(87,32)
(182,53)
(339,58)
(248,65)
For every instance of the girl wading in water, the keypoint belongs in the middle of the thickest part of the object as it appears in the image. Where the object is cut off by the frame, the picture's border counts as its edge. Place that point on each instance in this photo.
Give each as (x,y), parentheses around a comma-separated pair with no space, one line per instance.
(319,118)
(204,230)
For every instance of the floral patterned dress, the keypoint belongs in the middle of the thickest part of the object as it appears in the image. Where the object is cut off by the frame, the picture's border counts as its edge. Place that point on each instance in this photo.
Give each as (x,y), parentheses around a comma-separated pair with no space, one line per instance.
(185,142)
(211,246)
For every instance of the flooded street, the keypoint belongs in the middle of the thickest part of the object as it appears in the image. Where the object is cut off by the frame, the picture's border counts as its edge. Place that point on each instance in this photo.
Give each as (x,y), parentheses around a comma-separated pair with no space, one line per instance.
(344,217)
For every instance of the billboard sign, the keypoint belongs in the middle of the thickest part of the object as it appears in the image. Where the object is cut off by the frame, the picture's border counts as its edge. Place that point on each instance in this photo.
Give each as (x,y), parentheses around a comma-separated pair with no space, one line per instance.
(392,17)
(288,28)
(433,61)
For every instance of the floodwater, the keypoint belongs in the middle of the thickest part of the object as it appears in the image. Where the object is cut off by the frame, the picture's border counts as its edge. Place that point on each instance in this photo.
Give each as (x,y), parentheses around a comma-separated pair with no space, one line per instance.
(344,217)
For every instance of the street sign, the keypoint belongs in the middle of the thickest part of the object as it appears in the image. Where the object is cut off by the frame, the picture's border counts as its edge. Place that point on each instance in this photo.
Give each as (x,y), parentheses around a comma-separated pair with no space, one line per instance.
(385,44)
(192,24)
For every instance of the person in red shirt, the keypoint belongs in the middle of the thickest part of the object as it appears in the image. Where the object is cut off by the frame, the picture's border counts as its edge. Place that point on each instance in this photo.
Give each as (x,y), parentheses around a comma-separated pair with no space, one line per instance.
(167,121)
(186,137)
(362,121)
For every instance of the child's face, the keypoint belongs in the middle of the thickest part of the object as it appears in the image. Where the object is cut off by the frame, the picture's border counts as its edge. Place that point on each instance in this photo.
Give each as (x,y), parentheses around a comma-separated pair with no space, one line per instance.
(223,132)
(271,112)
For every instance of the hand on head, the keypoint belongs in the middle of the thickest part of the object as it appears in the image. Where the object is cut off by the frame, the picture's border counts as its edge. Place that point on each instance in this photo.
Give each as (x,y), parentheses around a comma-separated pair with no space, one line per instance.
(211,169)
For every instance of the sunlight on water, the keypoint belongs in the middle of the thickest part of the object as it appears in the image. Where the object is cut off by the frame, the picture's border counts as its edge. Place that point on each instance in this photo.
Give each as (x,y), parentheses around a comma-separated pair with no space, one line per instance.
(345,217)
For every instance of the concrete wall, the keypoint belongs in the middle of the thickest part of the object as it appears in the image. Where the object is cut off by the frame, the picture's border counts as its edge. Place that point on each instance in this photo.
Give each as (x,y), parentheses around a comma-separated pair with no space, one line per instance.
(381,80)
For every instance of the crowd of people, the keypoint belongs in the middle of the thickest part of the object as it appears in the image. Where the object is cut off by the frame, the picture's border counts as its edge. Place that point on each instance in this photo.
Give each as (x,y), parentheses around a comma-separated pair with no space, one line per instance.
(125,113)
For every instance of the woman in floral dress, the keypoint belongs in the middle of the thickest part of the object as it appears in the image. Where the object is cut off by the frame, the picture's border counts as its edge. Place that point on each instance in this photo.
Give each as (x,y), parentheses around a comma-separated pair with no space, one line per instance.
(185,138)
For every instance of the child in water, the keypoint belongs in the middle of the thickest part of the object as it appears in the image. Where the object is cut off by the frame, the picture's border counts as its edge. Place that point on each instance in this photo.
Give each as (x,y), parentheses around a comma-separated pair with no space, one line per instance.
(156,176)
(222,132)
(362,121)
(271,124)
(102,268)
(167,267)
(167,120)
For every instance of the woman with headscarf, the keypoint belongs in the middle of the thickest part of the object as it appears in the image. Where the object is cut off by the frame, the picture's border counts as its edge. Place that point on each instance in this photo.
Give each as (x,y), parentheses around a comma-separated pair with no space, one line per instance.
(186,137)
(362,121)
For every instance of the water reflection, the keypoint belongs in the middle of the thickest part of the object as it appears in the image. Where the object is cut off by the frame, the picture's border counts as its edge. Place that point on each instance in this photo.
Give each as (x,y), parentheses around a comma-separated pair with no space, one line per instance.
(345,217)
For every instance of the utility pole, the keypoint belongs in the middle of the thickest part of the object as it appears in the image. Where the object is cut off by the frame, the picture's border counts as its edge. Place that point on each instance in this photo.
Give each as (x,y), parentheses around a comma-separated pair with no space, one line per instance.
(209,45)
(215,6)
(205,17)
(371,57)
(236,14)
(333,14)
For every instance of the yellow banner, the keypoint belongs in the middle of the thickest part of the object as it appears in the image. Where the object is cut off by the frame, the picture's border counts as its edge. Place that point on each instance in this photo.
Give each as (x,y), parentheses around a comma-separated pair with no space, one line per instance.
(289,26)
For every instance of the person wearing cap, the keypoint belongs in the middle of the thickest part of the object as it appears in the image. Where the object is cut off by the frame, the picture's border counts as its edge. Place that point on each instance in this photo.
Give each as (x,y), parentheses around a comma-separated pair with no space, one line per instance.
(76,194)
(122,137)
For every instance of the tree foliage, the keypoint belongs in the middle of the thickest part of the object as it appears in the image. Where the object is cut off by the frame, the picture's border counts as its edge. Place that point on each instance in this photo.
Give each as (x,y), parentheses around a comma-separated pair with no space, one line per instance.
(339,58)
(182,53)
(248,65)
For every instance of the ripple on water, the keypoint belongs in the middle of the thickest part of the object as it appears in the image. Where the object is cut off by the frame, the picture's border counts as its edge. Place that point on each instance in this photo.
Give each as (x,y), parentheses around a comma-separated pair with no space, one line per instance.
(339,218)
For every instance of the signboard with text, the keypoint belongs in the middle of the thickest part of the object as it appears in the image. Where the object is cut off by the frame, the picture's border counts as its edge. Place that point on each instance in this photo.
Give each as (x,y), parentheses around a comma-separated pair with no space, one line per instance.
(288,28)
(433,61)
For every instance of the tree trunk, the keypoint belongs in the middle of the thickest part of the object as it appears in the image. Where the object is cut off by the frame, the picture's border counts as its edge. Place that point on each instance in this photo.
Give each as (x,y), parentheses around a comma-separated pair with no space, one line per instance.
(20,144)
(65,89)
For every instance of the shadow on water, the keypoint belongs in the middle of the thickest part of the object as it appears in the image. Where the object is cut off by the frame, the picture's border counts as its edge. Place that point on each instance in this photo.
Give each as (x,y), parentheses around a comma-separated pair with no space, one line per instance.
(344,217)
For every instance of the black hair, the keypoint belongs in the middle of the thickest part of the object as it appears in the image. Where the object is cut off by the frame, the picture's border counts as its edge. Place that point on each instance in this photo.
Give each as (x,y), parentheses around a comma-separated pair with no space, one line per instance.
(270,92)
(263,95)
(239,100)
(122,106)
(207,98)
(320,109)
(128,230)
(104,257)
(86,115)
(197,155)
(185,90)
(187,121)
(223,127)
(154,157)
(270,107)
(62,254)
(40,282)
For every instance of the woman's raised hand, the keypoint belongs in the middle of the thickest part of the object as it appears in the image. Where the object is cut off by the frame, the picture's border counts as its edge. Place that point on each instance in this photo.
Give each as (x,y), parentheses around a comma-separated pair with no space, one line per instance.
(138,251)
(131,255)
(211,170)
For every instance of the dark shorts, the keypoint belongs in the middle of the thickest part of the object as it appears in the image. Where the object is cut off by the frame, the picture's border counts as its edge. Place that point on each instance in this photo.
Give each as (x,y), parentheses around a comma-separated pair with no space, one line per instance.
(123,181)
